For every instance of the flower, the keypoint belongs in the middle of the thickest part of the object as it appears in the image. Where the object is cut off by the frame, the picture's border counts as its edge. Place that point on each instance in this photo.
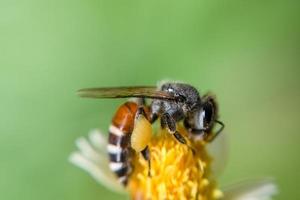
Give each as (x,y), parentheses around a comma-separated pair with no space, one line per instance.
(176,172)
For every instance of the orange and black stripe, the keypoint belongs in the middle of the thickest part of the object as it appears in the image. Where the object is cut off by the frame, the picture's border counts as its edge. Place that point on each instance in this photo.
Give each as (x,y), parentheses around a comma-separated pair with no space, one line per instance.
(119,140)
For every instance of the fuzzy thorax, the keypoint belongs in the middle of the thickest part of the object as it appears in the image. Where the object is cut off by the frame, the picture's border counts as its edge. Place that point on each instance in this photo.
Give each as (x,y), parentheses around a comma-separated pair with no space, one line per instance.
(176,173)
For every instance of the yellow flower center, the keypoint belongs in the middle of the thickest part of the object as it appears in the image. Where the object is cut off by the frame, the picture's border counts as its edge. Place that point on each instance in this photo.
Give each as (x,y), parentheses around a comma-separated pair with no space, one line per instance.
(176,173)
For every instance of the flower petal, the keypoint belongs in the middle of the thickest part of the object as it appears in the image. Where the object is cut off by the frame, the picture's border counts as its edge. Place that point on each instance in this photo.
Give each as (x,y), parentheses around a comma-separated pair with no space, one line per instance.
(92,158)
(98,140)
(262,189)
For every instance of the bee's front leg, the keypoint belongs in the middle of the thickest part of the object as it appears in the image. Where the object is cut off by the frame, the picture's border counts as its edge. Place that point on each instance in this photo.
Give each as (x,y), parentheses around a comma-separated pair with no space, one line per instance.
(168,122)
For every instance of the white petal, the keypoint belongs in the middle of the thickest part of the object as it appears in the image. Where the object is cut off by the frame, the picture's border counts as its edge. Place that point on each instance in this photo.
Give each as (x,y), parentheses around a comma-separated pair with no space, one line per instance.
(87,150)
(218,150)
(251,190)
(98,140)
(92,157)
(95,171)
(98,157)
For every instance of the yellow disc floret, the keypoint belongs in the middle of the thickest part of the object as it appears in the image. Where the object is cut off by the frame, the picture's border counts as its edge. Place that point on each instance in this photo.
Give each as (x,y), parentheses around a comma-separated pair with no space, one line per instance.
(176,173)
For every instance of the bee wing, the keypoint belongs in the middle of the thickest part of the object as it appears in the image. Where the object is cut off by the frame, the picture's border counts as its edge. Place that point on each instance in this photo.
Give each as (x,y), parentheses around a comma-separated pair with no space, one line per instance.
(218,149)
(124,92)
(92,158)
(262,189)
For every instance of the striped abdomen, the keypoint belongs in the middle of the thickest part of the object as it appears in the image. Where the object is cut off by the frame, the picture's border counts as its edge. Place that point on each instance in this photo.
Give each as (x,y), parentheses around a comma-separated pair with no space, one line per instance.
(119,140)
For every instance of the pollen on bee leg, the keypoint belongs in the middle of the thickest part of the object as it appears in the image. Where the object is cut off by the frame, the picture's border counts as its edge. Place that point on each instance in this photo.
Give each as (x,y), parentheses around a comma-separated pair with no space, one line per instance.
(141,134)
(175,171)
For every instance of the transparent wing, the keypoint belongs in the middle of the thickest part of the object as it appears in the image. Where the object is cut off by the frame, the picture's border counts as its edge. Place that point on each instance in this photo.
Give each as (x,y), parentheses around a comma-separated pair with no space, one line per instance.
(92,158)
(124,92)
(218,149)
(263,189)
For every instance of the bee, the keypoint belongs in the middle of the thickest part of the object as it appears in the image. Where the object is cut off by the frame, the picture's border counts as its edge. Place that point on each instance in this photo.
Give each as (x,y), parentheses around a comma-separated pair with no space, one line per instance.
(170,102)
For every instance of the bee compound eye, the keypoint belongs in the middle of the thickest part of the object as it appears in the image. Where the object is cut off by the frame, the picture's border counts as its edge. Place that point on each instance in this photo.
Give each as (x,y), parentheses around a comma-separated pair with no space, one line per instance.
(201,120)
(207,115)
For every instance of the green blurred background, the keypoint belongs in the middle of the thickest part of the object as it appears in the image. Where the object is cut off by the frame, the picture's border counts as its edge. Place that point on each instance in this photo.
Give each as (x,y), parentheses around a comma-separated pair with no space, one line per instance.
(245,52)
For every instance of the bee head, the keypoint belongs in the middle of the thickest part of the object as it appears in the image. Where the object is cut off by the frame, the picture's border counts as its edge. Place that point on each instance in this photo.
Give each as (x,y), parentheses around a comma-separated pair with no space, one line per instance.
(205,117)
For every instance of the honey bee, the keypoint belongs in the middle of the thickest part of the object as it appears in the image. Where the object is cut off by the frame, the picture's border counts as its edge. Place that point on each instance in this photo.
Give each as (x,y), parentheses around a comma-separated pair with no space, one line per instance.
(170,102)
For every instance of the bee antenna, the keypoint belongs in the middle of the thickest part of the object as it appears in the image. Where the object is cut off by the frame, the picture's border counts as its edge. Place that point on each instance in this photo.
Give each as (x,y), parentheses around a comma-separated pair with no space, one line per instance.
(222,126)
(219,131)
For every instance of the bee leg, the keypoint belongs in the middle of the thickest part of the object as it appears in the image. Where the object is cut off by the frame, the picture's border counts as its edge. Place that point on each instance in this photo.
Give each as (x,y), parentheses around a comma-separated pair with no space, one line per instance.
(146,154)
(163,124)
(170,123)
(155,109)
(140,111)
(153,117)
